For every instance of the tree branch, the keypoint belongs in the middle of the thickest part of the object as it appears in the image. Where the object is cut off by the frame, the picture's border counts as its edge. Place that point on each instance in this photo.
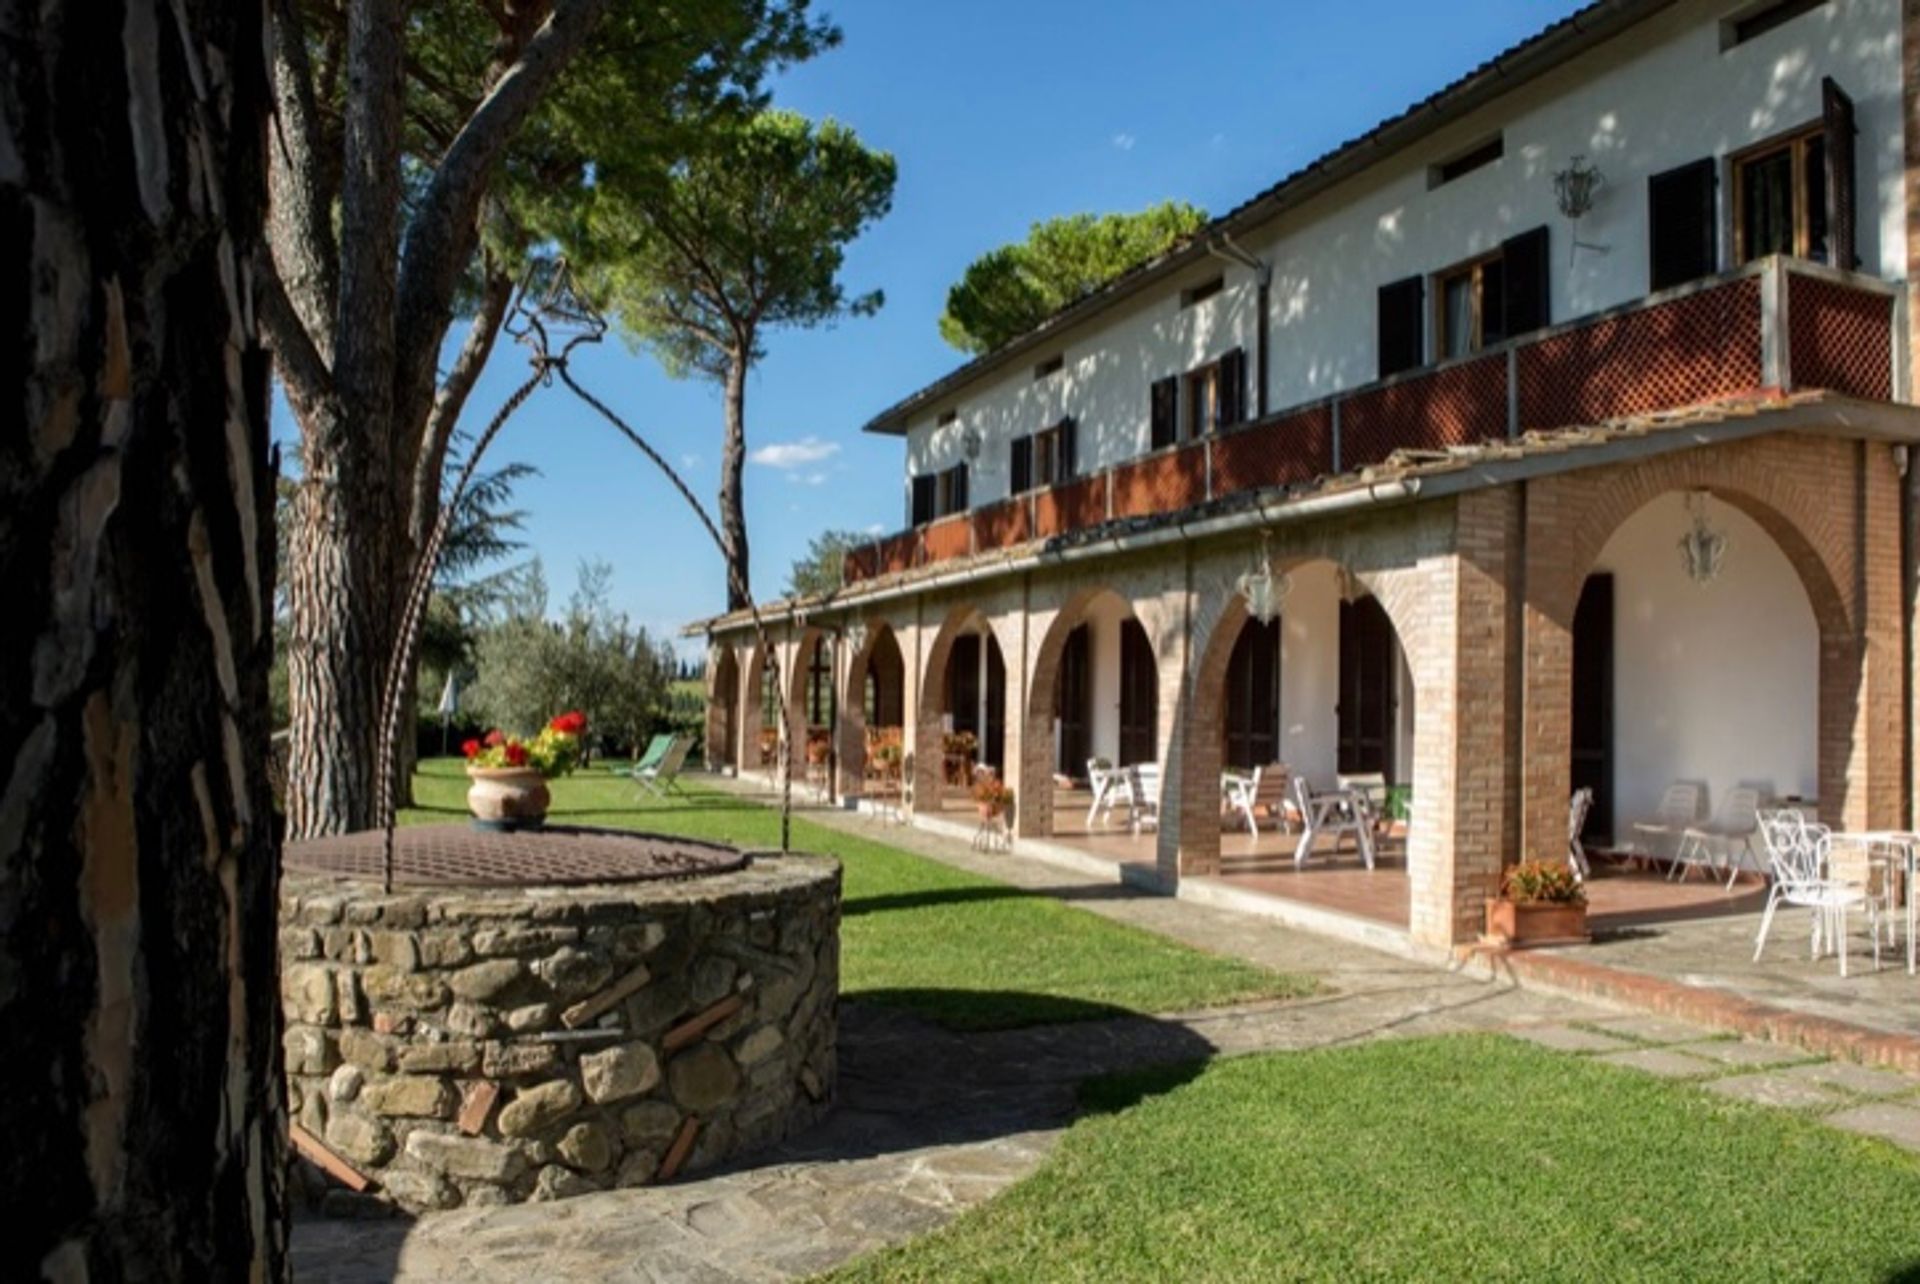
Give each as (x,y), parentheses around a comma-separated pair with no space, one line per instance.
(300,226)
(299,361)
(441,235)
(431,460)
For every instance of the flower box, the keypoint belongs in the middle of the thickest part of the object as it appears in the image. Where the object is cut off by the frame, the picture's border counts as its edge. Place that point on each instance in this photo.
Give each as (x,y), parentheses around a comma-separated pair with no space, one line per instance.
(1520,925)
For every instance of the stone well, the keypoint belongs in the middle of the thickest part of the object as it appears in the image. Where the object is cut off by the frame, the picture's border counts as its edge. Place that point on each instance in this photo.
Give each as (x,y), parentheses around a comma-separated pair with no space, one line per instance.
(471,1039)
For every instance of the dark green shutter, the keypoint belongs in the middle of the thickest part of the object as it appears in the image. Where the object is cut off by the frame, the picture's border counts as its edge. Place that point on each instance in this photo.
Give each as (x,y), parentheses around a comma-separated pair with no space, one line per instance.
(1837,112)
(1022,464)
(1069,448)
(1402,328)
(1683,235)
(1233,387)
(1526,286)
(1165,412)
(925,498)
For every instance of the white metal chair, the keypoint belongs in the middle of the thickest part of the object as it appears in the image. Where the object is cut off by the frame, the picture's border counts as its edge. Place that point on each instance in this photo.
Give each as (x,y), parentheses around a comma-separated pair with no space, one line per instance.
(1679,808)
(1143,795)
(1728,834)
(1335,811)
(1268,787)
(1577,809)
(1108,784)
(1371,786)
(1798,854)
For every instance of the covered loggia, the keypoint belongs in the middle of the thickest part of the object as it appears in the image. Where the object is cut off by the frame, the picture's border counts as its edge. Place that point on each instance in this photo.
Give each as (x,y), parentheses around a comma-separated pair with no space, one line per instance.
(872,725)
(961,723)
(1321,692)
(1094,705)
(723,711)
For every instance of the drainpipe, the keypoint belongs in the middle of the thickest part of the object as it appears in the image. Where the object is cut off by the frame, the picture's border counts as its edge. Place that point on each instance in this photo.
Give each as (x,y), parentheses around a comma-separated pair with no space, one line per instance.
(1225,247)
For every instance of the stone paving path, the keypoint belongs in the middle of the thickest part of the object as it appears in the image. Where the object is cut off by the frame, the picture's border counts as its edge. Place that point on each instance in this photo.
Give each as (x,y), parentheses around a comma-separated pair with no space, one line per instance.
(930,1123)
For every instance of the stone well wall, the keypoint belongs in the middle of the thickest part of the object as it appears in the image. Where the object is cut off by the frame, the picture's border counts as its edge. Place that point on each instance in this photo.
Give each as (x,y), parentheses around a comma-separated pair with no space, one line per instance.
(487,1046)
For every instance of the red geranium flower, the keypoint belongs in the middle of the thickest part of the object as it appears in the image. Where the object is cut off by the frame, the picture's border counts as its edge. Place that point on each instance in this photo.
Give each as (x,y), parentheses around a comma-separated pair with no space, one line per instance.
(516,754)
(569,724)
(471,748)
(496,737)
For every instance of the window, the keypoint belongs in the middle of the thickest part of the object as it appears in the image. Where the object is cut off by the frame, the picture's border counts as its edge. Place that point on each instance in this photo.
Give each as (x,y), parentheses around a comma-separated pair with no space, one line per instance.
(953,490)
(1216,394)
(1492,298)
(940,494)
(1759,21)
(1402,340)
(1681,223)
(947,417)
(1163,409)
(1043,458)
(1476,157)
(1052,365)
(1780,199)
(1467,311)
(1202,292)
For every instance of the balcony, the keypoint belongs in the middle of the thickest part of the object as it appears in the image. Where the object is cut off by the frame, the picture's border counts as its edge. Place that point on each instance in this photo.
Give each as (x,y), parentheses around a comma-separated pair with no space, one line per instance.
(1776,325)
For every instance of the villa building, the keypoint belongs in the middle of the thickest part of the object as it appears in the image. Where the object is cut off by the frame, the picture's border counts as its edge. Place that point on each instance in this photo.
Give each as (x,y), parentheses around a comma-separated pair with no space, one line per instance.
(1564,417)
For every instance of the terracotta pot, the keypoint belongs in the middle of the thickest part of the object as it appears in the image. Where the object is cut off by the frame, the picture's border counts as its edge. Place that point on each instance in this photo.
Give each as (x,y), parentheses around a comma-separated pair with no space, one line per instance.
(1521,924)
(508,797)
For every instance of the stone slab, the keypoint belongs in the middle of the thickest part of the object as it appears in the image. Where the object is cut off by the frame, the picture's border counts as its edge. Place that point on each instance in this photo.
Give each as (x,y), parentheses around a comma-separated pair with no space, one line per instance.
(1649,1029)
(1662,1062)
(1567,1038)
(1865,1081)
(1739,1052)
(1884,1119)
(1778,1090)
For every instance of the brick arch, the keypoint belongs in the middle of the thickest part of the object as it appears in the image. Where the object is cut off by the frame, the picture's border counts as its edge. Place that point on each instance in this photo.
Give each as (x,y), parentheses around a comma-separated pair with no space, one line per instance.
(852,746)
(751,719)
(1819,500)
(723,707)
(1035,786)
(1794,510)
(1399,592)
(928,748)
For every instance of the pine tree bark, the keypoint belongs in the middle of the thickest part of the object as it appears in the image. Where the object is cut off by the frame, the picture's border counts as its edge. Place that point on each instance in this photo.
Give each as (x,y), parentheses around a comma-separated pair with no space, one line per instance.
(141,1101)
(733,458)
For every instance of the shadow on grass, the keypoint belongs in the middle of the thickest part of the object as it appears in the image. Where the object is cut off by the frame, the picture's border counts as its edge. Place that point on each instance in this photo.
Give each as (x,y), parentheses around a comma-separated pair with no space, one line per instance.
(855,907)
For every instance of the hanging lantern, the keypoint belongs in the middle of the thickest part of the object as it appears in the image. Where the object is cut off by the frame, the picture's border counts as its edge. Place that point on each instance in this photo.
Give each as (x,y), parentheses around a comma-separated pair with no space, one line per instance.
(1574,187)
(1702,549)
(1264,591)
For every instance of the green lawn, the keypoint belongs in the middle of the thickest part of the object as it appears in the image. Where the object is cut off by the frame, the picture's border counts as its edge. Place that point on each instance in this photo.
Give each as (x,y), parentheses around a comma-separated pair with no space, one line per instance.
(1471,1157)
(971,953)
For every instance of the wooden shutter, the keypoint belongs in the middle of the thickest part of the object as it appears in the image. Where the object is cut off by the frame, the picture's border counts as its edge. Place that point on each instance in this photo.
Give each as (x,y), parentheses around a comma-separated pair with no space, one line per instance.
(1837,111)
(960,500)
(1402,333)
(1022,464)
(1069,448)
(1233,387)
(1165,412)
(1526,286)
(925,498)
(1683,244)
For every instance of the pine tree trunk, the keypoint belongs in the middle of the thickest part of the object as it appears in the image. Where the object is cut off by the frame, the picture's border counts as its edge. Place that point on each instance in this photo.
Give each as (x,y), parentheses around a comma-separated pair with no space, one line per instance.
(141,1100)
(733,458)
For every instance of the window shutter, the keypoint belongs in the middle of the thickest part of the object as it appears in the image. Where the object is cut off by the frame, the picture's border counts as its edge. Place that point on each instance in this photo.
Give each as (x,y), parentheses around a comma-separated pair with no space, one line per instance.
(1233,387)
(1402,335)
(1069,448)
(1683,244)
(1165,412)
(1527,288)
(1837,111)
(960,500)
(924,498)
(1022,464)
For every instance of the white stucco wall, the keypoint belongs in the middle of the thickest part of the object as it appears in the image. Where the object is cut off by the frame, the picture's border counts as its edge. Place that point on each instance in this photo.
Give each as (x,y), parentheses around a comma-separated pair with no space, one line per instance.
(1660,96)
(1716,683)
(1310,673)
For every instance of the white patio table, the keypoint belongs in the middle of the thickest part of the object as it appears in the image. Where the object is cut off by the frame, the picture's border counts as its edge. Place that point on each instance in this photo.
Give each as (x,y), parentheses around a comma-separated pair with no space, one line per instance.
(1335,811)
(1908,844)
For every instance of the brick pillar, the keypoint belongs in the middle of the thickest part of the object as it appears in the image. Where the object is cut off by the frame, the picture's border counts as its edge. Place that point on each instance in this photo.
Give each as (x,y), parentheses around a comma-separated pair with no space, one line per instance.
(1201,620)
(1551,592)
(722,704)
(1876,763)
(850,733)
(1910,574)
(1456,843)
(748,702)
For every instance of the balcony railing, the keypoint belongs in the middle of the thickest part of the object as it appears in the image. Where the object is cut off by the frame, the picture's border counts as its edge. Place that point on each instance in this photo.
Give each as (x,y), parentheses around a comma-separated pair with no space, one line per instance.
(1774,325)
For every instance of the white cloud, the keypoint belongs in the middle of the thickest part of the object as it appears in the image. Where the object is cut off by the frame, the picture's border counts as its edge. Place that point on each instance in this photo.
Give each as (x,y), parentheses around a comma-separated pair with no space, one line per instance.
(1124,141)
(876,529)
(795,454)
(807,479)
(689,460)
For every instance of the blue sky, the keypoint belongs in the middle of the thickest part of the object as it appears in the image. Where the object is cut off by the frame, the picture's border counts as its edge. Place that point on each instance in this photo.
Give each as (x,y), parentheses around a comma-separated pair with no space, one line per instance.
(999,114)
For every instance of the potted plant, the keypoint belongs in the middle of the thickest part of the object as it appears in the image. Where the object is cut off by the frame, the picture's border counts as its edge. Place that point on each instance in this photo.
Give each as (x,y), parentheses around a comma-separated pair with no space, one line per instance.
(1540,903)
(886,758)
(960,747)
(510,775)
(819,749)
(993,796)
